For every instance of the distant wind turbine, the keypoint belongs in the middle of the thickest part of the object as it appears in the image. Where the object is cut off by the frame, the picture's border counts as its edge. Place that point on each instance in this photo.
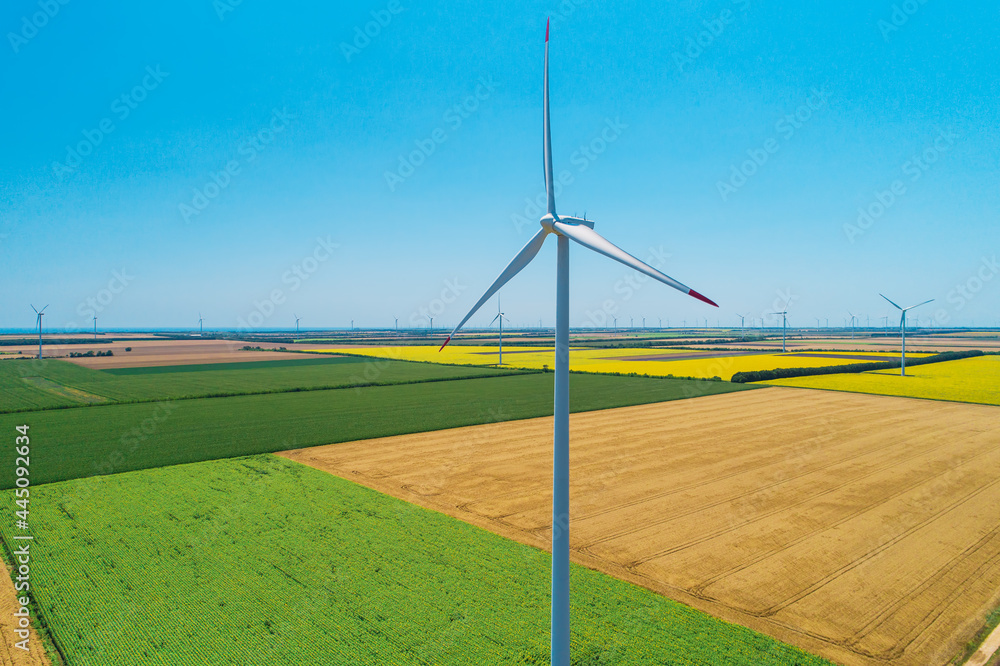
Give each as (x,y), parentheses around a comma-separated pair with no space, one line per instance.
(784,324)
(201,327)
(296,323)
(38,318)
(501,317)
(580,231)
(852,323)
(742,319)
(902,331)
(95,328)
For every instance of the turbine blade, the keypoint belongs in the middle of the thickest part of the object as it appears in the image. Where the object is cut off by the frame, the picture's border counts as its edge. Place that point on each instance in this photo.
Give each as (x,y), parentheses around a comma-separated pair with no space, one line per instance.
(522,259)
(919,304)
(546,133)
(494,320)
(893,304)
(589,238)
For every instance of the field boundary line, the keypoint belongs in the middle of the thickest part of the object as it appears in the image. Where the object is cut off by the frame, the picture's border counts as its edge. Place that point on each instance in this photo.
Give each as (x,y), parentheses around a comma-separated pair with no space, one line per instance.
(45,631)
(986,650)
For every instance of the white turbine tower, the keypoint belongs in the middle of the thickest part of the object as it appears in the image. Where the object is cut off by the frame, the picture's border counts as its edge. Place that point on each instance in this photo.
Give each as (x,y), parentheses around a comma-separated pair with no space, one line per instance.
(501,317)
(296,323)
(784,325)
(902,331)
(38,319)
(95,328)
(743,318)
(853,317)
(580,231)
(201,327)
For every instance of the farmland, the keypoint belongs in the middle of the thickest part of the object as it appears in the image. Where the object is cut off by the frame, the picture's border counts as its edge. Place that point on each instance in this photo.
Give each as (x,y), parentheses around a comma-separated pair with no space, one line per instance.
(642,361)
(861,528)
(27,385)
(974,380)
(368,579)
(114,438)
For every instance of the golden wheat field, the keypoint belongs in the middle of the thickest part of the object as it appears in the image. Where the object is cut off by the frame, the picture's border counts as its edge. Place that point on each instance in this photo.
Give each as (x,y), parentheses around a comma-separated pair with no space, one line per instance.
(966,380)
(861,528)
(653,362)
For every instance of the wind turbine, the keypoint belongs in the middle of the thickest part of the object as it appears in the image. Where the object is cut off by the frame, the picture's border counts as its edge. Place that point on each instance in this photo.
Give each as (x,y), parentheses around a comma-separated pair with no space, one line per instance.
(429,317)
(95,328)
(852,323)
(201,327)
(784,324)
(742,319)
(902,330)
(616,322)
(38,318)
(296,323)
(501,317)
(397,322)
(582,232)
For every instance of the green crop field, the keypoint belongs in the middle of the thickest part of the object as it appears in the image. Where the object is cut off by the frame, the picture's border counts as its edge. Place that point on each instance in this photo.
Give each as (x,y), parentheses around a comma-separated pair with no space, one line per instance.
(264,561)
(28,385)
(72,443)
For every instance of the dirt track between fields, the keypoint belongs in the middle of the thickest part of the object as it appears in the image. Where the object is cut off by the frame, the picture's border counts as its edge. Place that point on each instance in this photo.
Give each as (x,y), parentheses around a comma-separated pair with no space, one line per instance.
(862,528)
(10,655)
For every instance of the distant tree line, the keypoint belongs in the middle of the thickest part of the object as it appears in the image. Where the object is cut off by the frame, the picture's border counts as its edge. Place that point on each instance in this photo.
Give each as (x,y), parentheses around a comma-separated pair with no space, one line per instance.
(785,373)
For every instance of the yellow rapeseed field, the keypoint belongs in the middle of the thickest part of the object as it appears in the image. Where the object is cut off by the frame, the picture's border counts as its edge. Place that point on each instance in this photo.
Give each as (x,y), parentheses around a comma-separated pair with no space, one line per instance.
(968,380)
(652,362)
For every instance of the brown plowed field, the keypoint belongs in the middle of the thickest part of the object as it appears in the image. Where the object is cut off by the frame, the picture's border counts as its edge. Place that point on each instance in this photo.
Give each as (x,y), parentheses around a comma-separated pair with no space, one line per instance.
(862,528)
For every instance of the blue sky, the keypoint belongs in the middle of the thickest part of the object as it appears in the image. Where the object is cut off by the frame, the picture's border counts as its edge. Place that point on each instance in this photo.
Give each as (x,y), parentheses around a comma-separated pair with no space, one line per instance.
(237,158)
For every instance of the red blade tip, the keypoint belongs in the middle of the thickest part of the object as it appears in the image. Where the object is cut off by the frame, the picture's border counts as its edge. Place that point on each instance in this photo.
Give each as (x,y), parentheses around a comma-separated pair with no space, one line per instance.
(546,30)
(445,343)
(702,298)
